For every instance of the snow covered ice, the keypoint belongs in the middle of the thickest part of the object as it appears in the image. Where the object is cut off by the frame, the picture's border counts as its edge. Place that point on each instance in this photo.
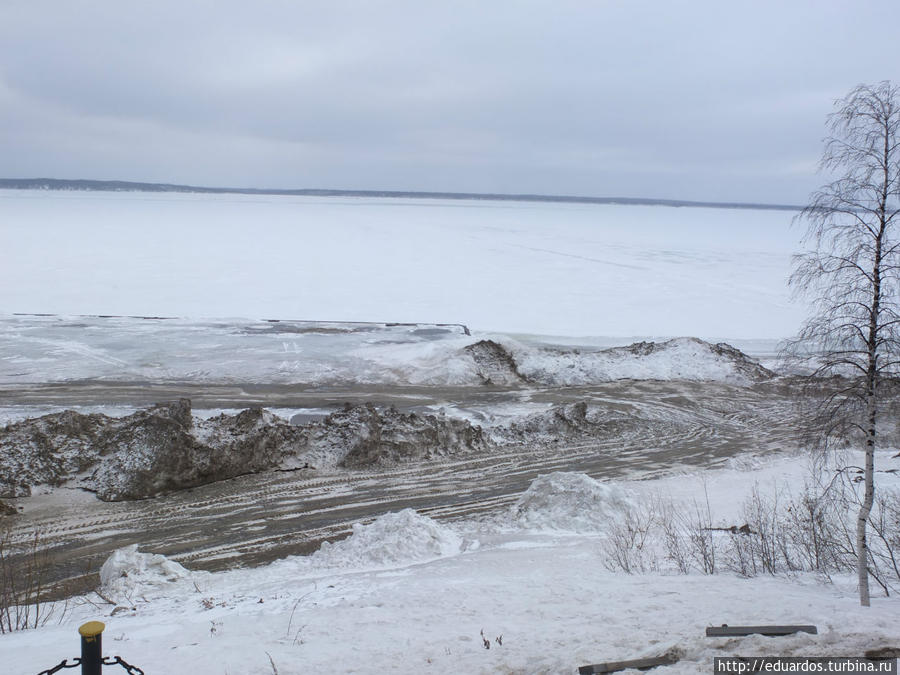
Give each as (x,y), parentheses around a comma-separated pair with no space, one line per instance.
(535,268)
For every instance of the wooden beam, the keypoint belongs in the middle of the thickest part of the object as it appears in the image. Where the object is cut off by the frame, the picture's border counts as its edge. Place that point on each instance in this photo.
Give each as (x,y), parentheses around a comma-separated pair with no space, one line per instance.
(639,664)
(772,631)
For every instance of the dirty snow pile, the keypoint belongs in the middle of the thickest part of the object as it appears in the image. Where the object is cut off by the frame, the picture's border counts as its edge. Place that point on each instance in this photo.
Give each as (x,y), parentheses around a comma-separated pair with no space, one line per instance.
(165,448)
(393,539)
(570,502)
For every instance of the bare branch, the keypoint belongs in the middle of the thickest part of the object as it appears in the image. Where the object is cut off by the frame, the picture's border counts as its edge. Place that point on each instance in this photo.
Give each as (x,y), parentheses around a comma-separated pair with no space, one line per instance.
(851,275)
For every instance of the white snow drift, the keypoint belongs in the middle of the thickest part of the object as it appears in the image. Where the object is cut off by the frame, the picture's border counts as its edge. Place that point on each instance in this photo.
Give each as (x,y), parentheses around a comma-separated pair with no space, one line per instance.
(393,539)
(570,502)
(127,572)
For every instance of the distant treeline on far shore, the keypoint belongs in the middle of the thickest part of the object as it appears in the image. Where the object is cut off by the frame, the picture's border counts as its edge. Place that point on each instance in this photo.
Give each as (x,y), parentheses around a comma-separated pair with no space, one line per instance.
(128,186)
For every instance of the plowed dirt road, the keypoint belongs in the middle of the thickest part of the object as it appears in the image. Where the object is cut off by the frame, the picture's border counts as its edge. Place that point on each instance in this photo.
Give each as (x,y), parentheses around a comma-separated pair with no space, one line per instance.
(666,427)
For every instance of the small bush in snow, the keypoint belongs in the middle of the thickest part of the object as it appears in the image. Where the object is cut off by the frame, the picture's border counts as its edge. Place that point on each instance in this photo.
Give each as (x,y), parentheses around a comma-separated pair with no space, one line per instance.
(629,545)
(688,536)
(23,583)
(782,533)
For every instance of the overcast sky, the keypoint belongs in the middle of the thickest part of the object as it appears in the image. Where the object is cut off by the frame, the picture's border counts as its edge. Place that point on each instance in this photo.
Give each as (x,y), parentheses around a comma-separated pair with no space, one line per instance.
(709,100)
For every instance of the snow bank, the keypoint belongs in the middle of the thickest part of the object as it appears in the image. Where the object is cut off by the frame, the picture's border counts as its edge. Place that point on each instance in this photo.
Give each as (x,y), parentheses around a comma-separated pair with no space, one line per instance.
(127,571)
(570,501)
(547,600)
(502,360)
(55,349)
(392,539)
(677,359)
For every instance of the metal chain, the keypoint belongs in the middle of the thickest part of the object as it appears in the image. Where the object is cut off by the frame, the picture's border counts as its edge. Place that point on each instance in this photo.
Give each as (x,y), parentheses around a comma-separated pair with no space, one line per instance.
(132,670)
(64,664)
(107,661)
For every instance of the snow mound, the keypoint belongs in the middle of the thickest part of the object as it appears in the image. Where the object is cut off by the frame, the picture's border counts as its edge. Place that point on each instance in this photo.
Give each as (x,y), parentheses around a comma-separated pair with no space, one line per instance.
(570,501)
(127,571)
(438,363)
(505,361)
(677,359)
(392,539)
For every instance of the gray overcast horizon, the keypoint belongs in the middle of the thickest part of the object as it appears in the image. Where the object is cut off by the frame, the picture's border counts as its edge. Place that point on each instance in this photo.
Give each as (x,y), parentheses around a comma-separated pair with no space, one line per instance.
(702,100)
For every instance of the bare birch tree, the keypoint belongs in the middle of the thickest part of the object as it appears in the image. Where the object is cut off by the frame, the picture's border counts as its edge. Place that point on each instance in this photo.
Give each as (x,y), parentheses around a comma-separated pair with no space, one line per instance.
(850,275)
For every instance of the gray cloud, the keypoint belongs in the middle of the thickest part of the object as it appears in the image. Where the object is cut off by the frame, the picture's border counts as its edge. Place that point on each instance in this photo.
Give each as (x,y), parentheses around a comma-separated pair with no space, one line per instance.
(693,100)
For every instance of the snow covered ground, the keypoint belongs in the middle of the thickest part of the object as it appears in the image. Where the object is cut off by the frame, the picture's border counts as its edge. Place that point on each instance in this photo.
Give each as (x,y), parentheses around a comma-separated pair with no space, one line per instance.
(535,268)
(407,594)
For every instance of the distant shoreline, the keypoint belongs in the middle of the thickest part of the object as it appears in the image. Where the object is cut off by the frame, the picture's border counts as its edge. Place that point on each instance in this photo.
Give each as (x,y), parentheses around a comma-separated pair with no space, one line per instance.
(128,186)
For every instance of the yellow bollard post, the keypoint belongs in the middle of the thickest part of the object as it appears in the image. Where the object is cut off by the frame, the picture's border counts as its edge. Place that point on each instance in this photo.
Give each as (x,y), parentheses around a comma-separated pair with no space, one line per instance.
(91,647)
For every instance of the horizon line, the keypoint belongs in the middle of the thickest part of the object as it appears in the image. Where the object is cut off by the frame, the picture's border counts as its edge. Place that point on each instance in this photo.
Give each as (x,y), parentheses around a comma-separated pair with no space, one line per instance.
(85,184)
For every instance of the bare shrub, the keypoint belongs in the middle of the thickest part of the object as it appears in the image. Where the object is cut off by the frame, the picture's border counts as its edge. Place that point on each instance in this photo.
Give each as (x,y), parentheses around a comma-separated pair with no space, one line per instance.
(741,556)
(676,545)
(766,538)
(783,533)
(884,548)
(629,544)
(24,585)
(814,530)
(700,536)
(688,536)
(842,498)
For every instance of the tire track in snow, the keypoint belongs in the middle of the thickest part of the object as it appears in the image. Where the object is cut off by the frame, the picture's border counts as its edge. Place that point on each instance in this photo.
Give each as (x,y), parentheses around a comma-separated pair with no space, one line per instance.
(257,518)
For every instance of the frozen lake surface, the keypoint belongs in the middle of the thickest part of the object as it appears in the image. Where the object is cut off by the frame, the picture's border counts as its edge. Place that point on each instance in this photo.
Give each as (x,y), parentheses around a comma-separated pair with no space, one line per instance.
(513,267)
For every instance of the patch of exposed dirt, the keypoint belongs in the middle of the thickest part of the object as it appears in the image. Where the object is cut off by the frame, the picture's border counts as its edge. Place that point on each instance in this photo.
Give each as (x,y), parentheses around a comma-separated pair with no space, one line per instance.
(387,437)
(742,363)
(496,366)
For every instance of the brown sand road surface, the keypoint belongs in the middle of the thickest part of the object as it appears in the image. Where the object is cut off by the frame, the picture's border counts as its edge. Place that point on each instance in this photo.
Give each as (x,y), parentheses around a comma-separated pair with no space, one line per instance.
(257,518)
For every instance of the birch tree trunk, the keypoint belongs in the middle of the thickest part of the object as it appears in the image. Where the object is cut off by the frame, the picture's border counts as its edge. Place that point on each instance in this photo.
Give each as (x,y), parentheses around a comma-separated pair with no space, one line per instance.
(852,274)
(862,519)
